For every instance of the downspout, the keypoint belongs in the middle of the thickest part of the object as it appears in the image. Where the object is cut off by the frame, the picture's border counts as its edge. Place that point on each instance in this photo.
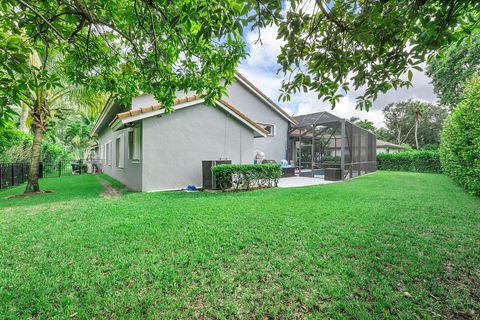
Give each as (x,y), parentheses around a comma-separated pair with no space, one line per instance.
(342,148)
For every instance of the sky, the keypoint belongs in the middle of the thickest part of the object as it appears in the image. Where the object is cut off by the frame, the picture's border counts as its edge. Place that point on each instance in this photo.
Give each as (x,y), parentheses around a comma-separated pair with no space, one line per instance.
(260,67)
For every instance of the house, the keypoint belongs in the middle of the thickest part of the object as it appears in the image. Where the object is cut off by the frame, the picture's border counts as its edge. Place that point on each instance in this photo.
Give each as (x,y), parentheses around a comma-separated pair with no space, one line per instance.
(388,147)
(150,150)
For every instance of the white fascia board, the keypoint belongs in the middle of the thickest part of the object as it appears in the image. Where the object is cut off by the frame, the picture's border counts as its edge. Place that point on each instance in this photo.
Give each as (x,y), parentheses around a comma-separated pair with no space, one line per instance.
(241,119)
(254,91)
(158,112)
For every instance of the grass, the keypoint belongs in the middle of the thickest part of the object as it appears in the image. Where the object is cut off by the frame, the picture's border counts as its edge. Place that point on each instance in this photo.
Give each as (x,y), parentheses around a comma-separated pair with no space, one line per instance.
(115,183)
(387,245)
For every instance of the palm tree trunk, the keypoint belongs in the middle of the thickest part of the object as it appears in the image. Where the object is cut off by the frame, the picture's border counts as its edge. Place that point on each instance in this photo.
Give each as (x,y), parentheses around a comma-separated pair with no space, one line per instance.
(34,173)
(23,119)
(416,134)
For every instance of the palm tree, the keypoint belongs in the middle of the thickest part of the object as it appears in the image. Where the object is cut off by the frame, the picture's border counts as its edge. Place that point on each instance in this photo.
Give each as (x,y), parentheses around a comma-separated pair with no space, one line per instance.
(47,97)
(78,133)
(418,117)
(43,92)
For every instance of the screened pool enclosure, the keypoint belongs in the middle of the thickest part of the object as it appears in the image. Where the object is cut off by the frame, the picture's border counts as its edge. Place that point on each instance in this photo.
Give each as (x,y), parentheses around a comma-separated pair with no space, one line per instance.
(321,141)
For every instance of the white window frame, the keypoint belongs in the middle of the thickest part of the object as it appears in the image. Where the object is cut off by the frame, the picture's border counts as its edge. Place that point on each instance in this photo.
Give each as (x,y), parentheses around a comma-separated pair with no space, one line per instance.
(120,152)
(135,146)
(108,153)
(273,131)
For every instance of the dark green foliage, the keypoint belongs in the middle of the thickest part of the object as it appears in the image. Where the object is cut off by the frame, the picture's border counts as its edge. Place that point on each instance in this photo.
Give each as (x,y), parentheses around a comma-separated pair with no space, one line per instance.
(460,144)
(247,176)
(335,46)
(161,47)
(400,119)
(452,68)
(16,146)
(415,161)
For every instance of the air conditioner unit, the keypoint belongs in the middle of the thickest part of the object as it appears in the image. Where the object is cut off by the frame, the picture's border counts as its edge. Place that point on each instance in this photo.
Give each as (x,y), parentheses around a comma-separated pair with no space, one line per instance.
(209,181)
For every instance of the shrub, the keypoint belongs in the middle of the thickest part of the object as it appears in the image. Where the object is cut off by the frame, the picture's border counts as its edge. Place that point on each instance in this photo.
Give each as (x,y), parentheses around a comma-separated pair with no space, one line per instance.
(415,161)
(460,140)
(246,176)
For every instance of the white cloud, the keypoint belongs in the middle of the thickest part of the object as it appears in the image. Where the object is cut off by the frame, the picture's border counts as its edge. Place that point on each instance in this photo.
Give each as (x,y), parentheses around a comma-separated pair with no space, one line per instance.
(261,67)
(264,55)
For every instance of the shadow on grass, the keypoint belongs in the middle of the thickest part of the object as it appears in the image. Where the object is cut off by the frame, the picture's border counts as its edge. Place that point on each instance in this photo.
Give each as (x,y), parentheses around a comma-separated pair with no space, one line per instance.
(62,189)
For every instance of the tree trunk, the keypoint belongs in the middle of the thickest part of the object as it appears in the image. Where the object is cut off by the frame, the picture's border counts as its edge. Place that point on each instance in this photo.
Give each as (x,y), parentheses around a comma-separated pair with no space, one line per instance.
(34,173)
(23,119)
(416,134)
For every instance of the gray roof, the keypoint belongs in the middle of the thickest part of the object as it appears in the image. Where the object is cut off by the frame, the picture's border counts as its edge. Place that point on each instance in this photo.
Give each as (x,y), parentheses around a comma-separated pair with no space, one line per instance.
(386,144)
(316,118)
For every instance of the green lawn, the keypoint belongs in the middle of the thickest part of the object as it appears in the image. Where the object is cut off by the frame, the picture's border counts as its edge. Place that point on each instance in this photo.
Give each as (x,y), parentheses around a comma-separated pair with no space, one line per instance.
(387,245)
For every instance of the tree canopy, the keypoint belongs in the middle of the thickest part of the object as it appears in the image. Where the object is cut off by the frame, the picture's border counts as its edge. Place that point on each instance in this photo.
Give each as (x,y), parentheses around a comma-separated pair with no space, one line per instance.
(451,69)
(133,46)
(402,118)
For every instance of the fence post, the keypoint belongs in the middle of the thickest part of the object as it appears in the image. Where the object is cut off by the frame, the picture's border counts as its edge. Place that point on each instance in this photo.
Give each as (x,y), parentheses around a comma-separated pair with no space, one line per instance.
(81,163)
(1,170)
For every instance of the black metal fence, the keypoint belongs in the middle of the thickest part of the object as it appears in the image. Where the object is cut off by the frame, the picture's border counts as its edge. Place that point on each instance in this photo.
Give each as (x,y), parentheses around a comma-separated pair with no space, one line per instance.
(13,174)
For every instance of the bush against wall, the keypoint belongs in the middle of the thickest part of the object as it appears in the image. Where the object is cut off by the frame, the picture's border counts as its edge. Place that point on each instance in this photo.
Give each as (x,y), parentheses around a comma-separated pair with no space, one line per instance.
(460,141)
(246,176)
(415,161)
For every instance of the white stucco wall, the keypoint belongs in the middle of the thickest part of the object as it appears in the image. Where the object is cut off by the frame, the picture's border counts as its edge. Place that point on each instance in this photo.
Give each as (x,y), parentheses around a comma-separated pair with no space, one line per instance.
(275,148)
(175,145)
(388,150)
(131,174)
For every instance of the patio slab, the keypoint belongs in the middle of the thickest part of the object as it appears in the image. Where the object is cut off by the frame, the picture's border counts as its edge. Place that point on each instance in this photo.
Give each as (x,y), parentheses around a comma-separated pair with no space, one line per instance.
(292,182)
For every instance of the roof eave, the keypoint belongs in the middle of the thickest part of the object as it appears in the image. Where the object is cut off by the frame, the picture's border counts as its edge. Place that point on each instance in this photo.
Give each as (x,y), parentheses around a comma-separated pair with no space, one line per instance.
(239,77)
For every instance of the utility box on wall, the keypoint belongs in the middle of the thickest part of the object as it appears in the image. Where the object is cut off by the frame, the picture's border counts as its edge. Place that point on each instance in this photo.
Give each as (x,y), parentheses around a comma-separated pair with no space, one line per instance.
(209,181)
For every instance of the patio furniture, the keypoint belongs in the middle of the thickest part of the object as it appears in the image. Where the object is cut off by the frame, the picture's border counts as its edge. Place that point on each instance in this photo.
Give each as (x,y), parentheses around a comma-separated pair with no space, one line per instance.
(333,174)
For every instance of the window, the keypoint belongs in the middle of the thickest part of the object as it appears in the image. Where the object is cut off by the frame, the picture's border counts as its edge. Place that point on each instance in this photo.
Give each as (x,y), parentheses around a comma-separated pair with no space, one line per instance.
(119,152)
(108,153)
(270,129)
(134,142)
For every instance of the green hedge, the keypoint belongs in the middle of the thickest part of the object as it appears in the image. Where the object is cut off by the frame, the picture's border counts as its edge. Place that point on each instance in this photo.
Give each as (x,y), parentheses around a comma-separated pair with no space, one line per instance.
(460,140)
(415,161)
(247,176)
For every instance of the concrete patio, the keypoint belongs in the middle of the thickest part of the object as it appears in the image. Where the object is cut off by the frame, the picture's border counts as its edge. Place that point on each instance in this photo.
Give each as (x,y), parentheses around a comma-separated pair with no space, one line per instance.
(292,182)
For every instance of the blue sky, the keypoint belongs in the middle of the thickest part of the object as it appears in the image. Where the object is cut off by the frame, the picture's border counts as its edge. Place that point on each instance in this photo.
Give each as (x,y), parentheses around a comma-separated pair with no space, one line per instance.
(261,67)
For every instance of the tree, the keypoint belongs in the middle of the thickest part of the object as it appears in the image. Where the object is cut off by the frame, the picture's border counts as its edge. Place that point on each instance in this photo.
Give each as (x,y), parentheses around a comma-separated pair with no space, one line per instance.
(128,46)
(460,145)
(45,95)
(333,46)
(78,134)
(43,90)
(453,67)
(413,122)
(365,124)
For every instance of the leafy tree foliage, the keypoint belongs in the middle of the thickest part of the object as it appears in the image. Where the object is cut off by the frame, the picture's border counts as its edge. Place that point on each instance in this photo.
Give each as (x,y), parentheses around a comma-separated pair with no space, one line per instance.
(128,46)
(403,119)
(332,46)
(365,124)
(452,68)
(77,134)
(460,145)
(414,160)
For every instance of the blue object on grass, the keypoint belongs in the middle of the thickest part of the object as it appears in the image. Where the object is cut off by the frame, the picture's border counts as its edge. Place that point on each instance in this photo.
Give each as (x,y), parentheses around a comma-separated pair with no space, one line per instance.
(191,188)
